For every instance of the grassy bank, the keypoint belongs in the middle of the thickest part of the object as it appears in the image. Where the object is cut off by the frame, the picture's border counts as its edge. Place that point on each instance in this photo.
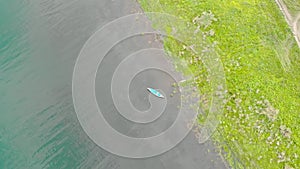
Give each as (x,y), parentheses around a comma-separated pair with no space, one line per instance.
(260,126)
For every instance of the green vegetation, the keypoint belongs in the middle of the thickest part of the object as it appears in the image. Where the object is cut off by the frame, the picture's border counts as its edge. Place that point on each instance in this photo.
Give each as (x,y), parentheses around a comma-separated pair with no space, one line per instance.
(260,125)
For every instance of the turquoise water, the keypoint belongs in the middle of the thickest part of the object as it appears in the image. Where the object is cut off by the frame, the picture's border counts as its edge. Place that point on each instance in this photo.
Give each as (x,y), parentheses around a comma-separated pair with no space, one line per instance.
(38,125)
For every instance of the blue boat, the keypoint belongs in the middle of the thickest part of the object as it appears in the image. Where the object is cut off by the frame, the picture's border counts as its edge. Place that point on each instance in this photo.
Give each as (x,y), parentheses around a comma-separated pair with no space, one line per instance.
(155,92)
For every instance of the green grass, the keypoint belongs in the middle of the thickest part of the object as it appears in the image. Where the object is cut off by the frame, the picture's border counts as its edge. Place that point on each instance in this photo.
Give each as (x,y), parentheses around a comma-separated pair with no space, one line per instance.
(260,125)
